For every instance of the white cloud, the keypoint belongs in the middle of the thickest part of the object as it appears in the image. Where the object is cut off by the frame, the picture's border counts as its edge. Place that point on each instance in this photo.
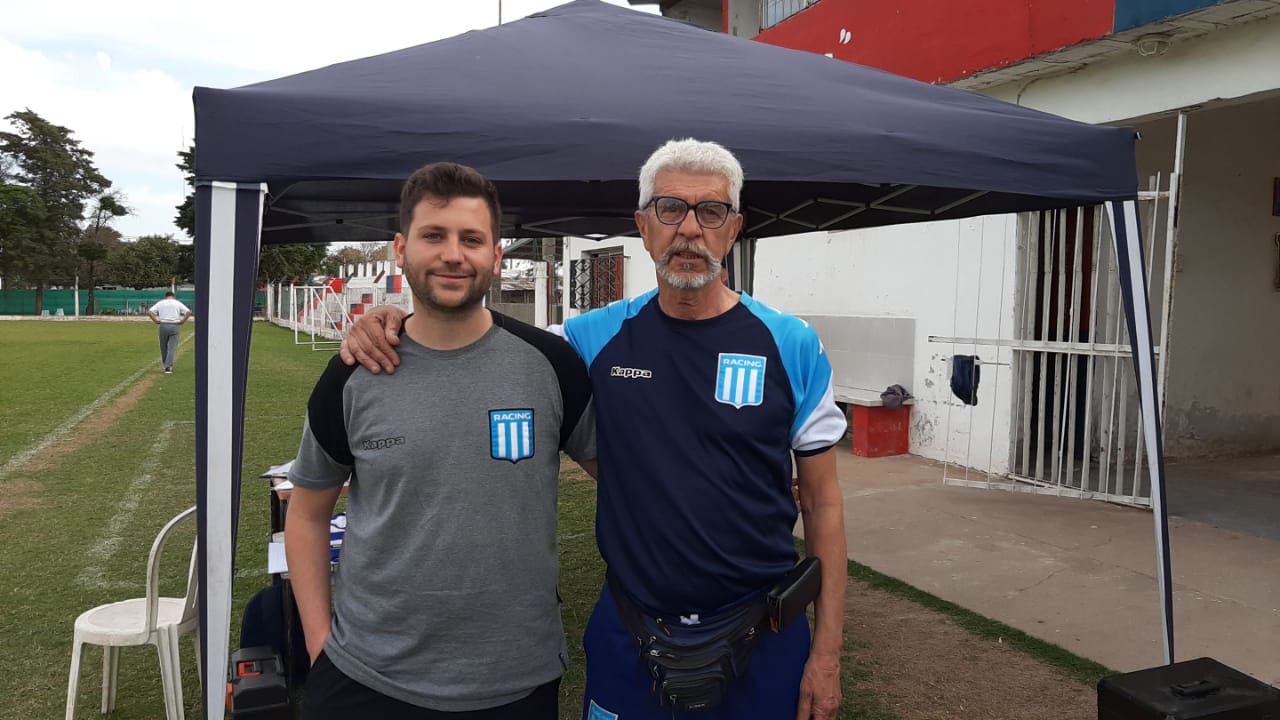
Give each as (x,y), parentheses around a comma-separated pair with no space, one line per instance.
(151,205)
(120,75)
(273,38)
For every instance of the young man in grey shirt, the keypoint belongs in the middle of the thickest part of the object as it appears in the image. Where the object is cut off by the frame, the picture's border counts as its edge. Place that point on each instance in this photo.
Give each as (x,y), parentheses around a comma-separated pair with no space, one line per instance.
(445,598)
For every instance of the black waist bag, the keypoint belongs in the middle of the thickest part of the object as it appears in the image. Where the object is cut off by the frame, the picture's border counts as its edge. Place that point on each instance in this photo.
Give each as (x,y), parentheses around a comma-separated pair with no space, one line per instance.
(693,666)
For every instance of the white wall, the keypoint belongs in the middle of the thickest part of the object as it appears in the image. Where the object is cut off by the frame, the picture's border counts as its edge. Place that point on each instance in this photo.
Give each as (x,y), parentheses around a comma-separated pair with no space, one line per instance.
(708,17)
(1223,393)
(954,278)
(638,270)
(744,18)
(1229,63)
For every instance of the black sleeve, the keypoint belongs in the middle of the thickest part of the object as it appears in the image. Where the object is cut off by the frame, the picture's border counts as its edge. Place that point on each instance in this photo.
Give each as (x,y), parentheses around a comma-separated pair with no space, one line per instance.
(571,372)
(325,413)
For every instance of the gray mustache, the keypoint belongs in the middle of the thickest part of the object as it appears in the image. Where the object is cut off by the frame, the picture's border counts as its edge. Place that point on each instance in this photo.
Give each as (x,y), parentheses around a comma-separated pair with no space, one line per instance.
(680,247)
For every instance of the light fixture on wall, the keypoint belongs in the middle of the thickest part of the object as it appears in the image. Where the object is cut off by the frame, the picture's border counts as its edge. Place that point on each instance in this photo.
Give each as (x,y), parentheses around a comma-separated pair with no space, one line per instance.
(1152,44)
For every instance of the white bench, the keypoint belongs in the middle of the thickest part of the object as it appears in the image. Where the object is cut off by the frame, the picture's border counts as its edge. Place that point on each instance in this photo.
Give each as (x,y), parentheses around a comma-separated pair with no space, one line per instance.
(861,397)
(877,431)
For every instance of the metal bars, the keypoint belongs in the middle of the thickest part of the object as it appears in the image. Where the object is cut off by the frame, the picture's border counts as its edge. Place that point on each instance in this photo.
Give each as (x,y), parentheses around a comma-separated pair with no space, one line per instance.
(1072,431)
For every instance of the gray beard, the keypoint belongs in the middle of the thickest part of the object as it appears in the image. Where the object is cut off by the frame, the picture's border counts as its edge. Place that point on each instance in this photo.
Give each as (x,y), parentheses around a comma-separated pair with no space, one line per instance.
(685,281)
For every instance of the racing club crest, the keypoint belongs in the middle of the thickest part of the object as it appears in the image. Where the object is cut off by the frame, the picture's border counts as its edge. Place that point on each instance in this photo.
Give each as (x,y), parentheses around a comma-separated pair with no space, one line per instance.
(511,434)
(740,379)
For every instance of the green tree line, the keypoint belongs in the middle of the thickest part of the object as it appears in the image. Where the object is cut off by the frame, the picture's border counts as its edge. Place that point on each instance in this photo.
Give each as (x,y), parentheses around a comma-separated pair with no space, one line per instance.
(57,217)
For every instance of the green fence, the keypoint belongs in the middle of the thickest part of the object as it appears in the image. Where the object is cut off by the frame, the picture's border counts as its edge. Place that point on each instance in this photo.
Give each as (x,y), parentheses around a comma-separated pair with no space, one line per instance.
(108,302)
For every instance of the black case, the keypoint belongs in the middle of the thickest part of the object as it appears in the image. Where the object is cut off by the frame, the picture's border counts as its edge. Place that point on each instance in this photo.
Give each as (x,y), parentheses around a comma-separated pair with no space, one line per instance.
(794,592)
(1200,689)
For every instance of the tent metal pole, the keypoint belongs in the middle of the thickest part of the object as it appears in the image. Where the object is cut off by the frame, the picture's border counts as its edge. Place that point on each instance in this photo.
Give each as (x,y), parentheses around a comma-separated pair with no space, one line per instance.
(1124,223)
(1004,270)
(1170,242)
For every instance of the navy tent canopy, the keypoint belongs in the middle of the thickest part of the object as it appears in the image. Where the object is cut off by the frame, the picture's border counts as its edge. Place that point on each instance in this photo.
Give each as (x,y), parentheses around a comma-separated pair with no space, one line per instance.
(560,109)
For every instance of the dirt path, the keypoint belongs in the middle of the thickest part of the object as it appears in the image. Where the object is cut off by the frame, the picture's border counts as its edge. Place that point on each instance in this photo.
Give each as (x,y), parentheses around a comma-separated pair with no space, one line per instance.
(923,666)
(23,492)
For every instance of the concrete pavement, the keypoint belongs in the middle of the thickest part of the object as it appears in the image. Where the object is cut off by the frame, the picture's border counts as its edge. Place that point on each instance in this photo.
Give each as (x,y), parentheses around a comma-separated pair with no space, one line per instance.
(1080,574)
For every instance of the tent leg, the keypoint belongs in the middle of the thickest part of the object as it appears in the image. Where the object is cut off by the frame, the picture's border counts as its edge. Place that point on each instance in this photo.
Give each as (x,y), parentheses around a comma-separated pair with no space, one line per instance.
(228,228)
(1133,280)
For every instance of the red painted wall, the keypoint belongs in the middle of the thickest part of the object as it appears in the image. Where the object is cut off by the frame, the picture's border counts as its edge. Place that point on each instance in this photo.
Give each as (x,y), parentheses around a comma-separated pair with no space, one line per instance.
(942,40)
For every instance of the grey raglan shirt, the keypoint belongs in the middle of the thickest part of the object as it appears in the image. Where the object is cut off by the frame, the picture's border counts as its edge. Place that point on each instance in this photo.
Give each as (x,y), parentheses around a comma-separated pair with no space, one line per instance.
(445,594)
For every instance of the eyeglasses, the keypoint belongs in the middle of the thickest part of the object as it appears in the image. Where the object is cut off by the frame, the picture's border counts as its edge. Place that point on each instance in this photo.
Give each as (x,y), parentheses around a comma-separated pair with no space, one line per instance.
(710,214)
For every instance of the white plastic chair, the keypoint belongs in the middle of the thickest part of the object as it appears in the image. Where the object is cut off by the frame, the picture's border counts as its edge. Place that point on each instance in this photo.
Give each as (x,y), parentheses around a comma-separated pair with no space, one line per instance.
(151,620)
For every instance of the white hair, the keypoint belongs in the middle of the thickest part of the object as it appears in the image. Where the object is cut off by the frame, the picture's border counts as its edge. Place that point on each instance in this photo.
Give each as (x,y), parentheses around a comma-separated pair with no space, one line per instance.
(695,156)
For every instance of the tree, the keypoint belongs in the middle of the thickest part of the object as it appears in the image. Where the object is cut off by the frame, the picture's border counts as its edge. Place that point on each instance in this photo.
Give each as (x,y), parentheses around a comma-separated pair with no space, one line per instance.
(104,210)
(186,217)
(22,216)
(276,263)
(93,250)
(374,251)
(186,266)
(281,263)
(45,158)
(150,261)
(99,238)
(346,255)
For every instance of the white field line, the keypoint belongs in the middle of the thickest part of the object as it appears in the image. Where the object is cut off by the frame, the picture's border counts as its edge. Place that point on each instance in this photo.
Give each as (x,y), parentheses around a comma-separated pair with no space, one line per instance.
(25,455)
(97,556)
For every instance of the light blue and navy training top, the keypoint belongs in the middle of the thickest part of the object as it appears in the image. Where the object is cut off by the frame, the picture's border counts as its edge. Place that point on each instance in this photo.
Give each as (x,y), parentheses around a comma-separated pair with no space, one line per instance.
(696,422)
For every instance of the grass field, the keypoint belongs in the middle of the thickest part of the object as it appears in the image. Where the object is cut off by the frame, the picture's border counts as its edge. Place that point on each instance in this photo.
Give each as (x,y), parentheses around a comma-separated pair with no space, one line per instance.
(98,452)
(114,459)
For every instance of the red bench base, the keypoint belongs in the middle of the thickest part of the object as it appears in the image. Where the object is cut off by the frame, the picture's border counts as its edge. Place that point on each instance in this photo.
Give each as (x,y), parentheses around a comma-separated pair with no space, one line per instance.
(880,431)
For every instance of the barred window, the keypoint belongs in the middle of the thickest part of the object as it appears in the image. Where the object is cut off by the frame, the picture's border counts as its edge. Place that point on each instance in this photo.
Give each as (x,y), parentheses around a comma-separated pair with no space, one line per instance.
(773,12)
(596,280)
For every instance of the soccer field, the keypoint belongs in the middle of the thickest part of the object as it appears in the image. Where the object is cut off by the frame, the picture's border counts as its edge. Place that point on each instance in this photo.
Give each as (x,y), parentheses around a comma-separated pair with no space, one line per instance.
(98,453)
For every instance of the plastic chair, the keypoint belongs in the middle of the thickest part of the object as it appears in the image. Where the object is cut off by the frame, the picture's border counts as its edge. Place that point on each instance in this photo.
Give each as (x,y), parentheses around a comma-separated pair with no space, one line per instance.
(151,620)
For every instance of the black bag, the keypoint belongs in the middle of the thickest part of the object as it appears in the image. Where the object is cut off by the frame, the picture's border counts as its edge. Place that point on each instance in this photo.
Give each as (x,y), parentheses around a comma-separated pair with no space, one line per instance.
(264,624)
(693,666)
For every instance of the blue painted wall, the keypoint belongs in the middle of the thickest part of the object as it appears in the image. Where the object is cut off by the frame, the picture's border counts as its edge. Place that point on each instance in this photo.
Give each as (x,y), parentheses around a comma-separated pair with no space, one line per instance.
(1135,13)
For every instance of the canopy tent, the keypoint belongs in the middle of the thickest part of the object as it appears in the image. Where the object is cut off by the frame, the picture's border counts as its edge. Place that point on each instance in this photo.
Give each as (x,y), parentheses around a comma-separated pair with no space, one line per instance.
(559,110)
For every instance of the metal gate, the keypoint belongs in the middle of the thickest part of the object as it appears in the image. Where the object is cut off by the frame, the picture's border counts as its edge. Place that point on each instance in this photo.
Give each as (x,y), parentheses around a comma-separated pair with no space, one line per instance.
(1075,421)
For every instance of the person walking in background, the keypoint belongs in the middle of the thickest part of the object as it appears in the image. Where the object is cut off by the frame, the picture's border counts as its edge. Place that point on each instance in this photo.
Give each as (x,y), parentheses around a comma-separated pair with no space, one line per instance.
(169,314)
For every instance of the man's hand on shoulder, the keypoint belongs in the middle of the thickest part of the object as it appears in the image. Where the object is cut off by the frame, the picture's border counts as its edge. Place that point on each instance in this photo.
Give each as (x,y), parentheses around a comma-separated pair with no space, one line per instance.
(371,339)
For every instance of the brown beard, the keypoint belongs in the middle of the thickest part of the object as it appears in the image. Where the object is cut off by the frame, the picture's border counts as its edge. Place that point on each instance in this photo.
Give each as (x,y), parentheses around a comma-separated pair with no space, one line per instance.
(427,297)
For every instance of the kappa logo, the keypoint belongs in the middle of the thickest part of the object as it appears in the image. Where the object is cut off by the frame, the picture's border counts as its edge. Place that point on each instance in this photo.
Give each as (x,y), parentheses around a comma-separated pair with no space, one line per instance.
(511,434)
(740,379)
(382,443)
(622,372)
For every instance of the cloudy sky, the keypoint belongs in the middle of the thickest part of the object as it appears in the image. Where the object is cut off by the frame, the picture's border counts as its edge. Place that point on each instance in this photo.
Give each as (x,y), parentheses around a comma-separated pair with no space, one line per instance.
(120,74)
